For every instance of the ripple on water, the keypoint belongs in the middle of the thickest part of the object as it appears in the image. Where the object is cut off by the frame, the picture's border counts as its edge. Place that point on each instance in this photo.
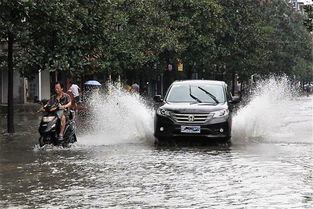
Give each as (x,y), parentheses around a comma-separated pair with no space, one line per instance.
(271,171)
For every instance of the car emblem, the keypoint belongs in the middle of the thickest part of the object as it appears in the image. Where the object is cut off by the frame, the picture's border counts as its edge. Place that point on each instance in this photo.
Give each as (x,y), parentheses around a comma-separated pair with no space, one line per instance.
(191,118)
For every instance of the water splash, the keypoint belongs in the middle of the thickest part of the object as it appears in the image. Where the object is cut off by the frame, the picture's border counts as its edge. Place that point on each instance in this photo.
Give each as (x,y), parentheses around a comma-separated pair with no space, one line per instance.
(52,148)
(267,108)
(268,114)
(118,116)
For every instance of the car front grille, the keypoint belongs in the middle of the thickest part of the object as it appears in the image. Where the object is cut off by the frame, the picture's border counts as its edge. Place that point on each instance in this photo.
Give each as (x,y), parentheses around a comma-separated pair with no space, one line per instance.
(192,118)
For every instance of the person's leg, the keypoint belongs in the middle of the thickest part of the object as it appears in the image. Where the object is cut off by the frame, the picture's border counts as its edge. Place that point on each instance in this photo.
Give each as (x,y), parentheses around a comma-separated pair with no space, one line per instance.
(76,100)
(63,122)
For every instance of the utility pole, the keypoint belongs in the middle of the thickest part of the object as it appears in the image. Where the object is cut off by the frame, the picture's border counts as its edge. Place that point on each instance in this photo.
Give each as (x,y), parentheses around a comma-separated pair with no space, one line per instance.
(39,85)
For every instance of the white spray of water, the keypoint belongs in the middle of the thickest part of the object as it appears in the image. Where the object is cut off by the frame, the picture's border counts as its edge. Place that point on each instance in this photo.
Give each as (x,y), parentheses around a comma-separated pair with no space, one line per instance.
(122,117)
(263,116)
(52,148)
(118,117)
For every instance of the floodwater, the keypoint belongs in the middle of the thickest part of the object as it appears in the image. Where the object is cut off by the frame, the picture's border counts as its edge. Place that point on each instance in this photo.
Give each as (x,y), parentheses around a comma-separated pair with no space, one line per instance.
(115,163)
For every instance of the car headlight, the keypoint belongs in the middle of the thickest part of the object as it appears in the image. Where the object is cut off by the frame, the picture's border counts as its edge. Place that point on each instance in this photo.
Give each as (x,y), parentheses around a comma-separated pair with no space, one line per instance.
(163,112)
(220,113)
(48,119)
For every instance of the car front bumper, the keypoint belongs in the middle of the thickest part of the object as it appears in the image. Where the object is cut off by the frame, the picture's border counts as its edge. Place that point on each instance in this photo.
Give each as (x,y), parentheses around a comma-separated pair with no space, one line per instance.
(165,127)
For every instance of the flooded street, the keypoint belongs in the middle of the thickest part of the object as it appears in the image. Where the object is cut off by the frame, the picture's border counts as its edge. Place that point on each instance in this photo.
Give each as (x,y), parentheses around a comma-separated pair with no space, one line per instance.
(156,104)
(268,165)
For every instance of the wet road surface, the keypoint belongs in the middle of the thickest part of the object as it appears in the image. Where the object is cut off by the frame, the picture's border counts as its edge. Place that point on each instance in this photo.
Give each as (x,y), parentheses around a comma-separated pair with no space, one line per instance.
(270,171)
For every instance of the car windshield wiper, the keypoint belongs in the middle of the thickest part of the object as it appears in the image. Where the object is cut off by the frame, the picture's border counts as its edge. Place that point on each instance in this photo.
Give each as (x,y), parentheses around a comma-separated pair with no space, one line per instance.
(194,97)
(208,93)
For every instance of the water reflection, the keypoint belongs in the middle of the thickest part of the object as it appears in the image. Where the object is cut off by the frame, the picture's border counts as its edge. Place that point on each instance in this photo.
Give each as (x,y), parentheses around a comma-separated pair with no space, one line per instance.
(268,172)
(139,175)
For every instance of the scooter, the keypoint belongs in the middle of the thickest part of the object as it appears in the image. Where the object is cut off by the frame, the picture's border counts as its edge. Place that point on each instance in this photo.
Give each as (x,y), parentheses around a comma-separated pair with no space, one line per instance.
(49,128)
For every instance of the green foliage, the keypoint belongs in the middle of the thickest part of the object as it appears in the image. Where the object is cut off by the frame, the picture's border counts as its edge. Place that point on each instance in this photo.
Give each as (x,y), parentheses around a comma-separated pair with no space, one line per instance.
(54,39)
(90,36)
(196,26)
(239,45)
(308,21)
(286,47)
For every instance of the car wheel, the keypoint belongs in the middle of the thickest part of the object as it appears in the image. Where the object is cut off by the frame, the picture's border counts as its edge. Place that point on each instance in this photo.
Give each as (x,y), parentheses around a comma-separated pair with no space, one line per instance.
(226,139)
(162,140)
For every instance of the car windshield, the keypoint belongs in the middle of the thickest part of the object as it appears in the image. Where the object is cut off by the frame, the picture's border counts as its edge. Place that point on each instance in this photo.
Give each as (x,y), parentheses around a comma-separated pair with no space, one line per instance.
(183,93)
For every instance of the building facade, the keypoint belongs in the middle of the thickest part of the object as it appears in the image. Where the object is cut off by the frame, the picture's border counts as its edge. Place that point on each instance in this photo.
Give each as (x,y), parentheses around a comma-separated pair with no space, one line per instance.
(24,90)
(299,4)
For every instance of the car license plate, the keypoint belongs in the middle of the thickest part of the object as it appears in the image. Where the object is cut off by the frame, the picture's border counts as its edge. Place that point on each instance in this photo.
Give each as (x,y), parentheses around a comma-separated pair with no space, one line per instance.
(190,129)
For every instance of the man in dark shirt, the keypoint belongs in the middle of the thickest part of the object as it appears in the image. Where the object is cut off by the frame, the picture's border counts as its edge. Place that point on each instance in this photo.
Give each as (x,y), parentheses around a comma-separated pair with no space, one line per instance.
(64,101)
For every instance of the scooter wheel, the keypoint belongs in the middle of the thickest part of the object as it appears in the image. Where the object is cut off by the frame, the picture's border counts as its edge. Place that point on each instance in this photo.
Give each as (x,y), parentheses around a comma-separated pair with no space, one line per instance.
(65,145)
(41,141)
(74,139)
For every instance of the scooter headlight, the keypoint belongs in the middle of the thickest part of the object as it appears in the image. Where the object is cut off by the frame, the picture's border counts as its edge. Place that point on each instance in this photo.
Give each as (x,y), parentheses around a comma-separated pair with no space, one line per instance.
(163,112)
(47,119)
(220,113)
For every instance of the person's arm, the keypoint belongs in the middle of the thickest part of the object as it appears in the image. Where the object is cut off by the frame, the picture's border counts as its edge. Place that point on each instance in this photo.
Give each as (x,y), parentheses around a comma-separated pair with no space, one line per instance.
(42,109)
(50,103)
(68,105)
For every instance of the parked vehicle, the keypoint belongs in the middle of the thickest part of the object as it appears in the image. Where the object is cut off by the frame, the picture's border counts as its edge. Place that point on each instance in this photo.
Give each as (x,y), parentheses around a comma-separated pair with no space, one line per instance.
(195,108)
(50,127)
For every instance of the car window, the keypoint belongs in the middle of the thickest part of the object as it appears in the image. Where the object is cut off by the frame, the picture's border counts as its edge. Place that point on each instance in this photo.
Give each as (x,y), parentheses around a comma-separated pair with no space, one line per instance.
(180,93)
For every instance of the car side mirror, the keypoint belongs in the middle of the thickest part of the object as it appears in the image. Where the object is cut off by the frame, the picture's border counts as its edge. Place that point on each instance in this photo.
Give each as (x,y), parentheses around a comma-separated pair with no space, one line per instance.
(157,98)
(235,100)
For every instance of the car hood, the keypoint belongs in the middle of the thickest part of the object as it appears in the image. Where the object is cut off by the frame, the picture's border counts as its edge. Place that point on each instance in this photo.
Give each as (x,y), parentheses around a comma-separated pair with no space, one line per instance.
(193,107)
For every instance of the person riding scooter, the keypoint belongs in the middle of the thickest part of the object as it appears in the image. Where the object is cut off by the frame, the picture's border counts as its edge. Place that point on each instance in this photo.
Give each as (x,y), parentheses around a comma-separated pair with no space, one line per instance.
(64,103)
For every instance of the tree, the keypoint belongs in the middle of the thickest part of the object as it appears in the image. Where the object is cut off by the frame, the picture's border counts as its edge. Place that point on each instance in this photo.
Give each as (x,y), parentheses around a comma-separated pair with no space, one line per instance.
(195,26)
(55,38)
(12,27)
(238,47)
(286,45)
(308,21)
(48,35)
(264,38)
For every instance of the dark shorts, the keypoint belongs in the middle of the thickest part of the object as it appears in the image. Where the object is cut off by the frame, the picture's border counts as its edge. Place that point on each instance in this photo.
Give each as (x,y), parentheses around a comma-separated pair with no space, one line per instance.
(76,99)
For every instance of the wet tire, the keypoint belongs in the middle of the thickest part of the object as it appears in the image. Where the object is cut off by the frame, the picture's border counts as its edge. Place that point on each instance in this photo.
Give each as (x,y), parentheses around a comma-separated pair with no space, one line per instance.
(41,141)
(44,141)
(162,141)
(74,139)
(226,140)
(71,140)
(65,144)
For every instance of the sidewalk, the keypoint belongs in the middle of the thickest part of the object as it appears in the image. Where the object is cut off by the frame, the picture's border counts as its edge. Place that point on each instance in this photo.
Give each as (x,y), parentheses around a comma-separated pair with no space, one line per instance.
(28,107)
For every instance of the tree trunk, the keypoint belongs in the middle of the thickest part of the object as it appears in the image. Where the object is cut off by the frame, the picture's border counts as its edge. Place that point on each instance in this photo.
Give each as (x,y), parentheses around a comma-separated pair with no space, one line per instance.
(10,113)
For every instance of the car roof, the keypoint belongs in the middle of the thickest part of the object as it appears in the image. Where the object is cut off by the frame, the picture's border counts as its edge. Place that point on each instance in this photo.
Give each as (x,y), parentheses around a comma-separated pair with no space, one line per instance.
(215,82)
